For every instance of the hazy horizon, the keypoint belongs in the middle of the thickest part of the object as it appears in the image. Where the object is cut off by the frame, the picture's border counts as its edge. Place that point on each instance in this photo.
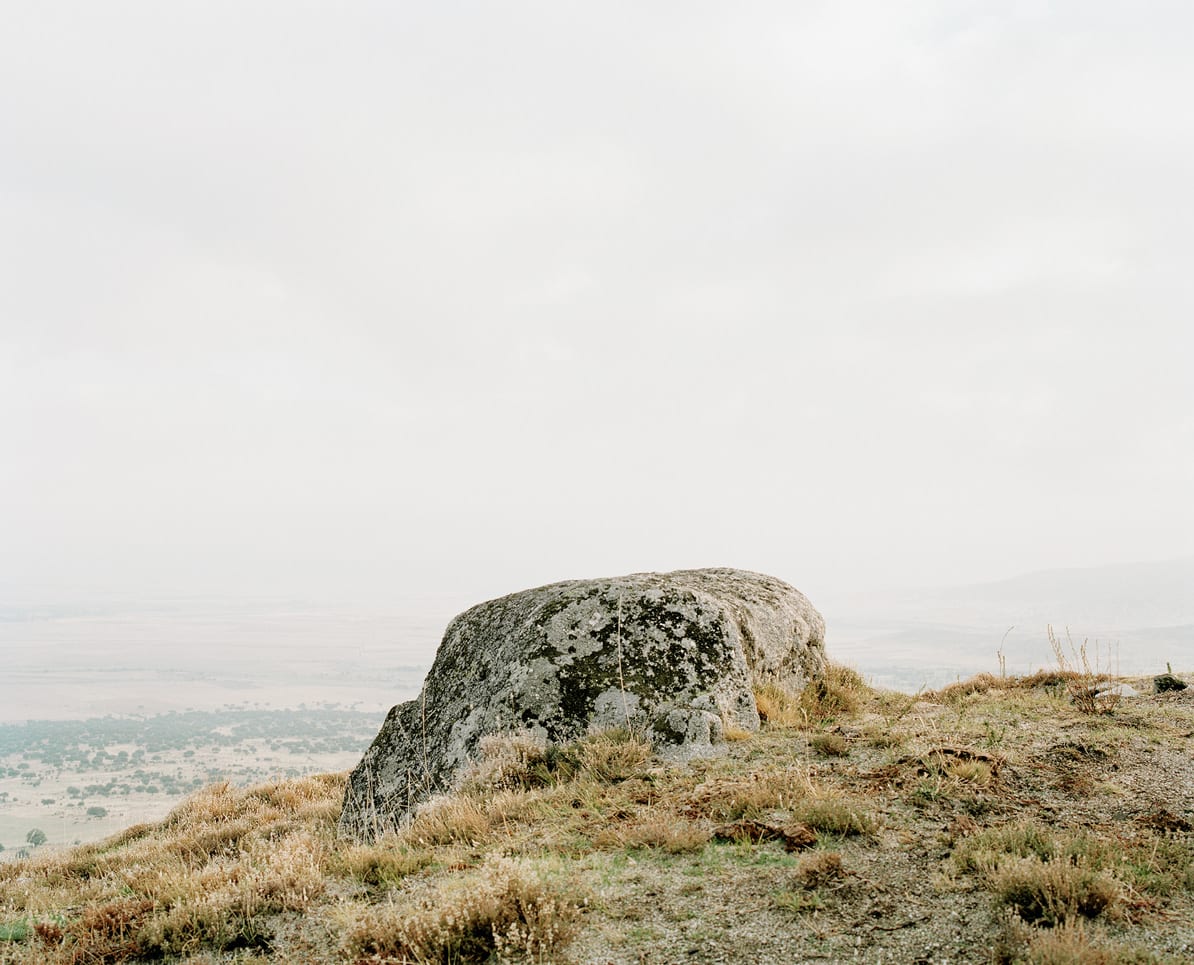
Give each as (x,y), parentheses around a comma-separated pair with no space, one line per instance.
(81,660)
(393,301)
(100,597)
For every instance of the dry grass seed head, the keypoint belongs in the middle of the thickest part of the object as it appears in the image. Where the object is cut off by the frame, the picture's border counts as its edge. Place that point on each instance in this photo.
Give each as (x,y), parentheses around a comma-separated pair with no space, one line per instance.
(285,874)
(1083,677)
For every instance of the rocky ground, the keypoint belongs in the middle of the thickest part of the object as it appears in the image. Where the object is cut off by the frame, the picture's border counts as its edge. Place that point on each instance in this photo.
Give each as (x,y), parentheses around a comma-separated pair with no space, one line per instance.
(998,820)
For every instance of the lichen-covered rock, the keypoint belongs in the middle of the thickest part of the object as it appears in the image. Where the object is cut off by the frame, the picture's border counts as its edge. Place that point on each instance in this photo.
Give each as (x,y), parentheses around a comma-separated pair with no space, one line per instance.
(674,655)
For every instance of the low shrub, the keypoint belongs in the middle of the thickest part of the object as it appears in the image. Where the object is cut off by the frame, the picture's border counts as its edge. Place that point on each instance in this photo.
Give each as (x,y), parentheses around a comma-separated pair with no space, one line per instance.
(1045,877)
(1069,943)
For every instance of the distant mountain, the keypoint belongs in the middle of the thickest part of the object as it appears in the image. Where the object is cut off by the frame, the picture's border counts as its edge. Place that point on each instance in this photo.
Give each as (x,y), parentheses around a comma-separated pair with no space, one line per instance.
(1138,615)
(1117,597)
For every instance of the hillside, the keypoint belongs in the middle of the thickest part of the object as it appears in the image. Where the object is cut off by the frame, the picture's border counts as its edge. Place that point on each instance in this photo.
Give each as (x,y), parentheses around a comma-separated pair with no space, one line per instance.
(994,821)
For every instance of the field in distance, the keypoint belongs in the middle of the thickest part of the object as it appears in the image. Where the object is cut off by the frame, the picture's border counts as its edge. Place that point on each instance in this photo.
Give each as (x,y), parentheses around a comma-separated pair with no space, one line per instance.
(66,782)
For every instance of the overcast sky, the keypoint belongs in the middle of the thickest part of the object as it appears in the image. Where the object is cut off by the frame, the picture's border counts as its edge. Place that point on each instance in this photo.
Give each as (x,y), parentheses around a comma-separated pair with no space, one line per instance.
(373,299)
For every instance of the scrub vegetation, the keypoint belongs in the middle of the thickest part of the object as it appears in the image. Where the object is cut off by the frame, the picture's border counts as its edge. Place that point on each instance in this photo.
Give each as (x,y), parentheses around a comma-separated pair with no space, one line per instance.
(996,820)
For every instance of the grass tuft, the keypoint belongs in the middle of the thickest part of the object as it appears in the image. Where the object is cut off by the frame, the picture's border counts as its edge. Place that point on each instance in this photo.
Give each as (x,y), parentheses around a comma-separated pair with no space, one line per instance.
(830,745)
(836,814)
(503,910)
(840,691)
(820,868)
(1052,892)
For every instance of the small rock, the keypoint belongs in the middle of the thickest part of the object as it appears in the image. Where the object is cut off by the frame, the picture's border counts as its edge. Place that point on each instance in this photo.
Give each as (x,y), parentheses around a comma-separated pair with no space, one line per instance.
(1119,690)
(1167,681)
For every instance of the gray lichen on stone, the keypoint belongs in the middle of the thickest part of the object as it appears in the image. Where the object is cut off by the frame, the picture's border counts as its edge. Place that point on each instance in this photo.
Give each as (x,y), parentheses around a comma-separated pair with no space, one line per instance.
(673,655)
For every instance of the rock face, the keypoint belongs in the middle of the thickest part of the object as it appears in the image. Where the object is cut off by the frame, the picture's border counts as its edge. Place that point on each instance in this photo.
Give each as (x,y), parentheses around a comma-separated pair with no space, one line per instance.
(675,655)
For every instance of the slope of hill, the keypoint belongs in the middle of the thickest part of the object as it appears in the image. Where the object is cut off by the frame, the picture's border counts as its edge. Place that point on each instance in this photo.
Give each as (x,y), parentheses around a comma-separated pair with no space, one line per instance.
(1000,820)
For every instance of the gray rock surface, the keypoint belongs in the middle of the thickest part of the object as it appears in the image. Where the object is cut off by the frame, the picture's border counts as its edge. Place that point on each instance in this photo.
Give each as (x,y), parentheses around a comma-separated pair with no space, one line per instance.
(674,655)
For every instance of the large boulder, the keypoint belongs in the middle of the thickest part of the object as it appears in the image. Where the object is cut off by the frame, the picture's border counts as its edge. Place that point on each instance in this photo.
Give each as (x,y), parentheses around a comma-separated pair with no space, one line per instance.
(673,655)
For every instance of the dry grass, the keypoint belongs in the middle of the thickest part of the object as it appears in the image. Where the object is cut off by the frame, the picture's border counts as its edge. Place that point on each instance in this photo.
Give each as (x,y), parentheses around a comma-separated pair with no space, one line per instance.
(208,877)
(752,796)
(499,870)
(839,692)
(449,819)
(606,757)
(503,909)
(383,864)
(1077,674)
(507,761)
(1070,943)
(521,761)
(777,707)
(830,745)
(1083,677)
(837,814)
(983,683)
(660,829)
(820,868)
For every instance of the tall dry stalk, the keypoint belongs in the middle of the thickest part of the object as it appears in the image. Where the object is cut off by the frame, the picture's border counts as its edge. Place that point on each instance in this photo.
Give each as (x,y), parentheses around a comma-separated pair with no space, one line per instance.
(1082,678)
(621,679)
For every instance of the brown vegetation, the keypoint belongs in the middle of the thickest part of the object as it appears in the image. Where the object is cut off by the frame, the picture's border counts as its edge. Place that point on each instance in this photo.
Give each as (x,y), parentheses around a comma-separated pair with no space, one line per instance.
(997,821)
